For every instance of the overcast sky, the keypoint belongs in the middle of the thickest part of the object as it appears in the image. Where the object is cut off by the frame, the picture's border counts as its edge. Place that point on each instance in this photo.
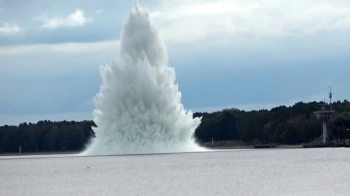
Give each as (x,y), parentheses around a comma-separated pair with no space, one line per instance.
(250,54)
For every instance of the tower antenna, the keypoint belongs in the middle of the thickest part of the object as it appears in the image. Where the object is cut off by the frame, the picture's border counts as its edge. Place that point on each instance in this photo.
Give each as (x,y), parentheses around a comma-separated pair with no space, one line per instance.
(330,98)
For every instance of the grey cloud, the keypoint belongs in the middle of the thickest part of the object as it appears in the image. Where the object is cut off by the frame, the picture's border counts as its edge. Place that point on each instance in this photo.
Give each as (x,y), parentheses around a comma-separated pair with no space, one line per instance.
(48,96)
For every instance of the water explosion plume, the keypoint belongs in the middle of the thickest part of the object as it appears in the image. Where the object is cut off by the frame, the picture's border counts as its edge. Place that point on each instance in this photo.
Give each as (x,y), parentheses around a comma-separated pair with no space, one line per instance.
(138,108)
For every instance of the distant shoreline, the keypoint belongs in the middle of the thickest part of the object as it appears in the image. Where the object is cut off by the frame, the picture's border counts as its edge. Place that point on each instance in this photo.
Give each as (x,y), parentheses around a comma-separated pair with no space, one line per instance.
(242,145)
(39,153)
(202,145)
(217,145)
(252,147)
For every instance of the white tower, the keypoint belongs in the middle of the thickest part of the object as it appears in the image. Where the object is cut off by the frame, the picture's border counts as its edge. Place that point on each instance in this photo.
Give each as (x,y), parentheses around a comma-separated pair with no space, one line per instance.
(324,115)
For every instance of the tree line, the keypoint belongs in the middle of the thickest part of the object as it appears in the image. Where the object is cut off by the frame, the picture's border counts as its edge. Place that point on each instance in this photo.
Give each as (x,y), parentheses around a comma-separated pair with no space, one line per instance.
(286,125)
(46,136)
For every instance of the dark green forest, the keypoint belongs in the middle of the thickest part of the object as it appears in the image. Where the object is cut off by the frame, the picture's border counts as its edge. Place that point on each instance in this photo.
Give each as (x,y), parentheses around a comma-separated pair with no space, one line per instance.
(46,136)
(285,125)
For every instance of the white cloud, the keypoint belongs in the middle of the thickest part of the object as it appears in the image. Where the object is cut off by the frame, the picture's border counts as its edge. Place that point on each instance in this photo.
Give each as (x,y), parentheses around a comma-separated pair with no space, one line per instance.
(99,11)
(195,21)
(75,19)
(60,49)
(10,29)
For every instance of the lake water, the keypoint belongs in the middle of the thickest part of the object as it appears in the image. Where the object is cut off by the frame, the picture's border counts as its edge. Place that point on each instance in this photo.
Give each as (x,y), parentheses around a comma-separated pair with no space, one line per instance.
(323,171)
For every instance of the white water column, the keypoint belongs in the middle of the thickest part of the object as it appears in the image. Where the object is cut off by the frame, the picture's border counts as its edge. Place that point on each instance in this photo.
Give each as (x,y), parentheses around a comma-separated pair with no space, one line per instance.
(139,109)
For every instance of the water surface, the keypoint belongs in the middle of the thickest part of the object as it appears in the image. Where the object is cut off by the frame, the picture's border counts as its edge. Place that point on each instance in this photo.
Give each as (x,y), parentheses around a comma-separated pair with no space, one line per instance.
(323,171)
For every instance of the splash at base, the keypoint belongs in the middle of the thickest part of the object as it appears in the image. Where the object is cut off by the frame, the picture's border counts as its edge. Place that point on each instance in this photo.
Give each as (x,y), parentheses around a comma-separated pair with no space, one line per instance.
(138,109)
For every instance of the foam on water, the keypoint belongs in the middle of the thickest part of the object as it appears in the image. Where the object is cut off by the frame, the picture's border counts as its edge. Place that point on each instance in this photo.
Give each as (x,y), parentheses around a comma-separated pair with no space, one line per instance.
(138,109)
